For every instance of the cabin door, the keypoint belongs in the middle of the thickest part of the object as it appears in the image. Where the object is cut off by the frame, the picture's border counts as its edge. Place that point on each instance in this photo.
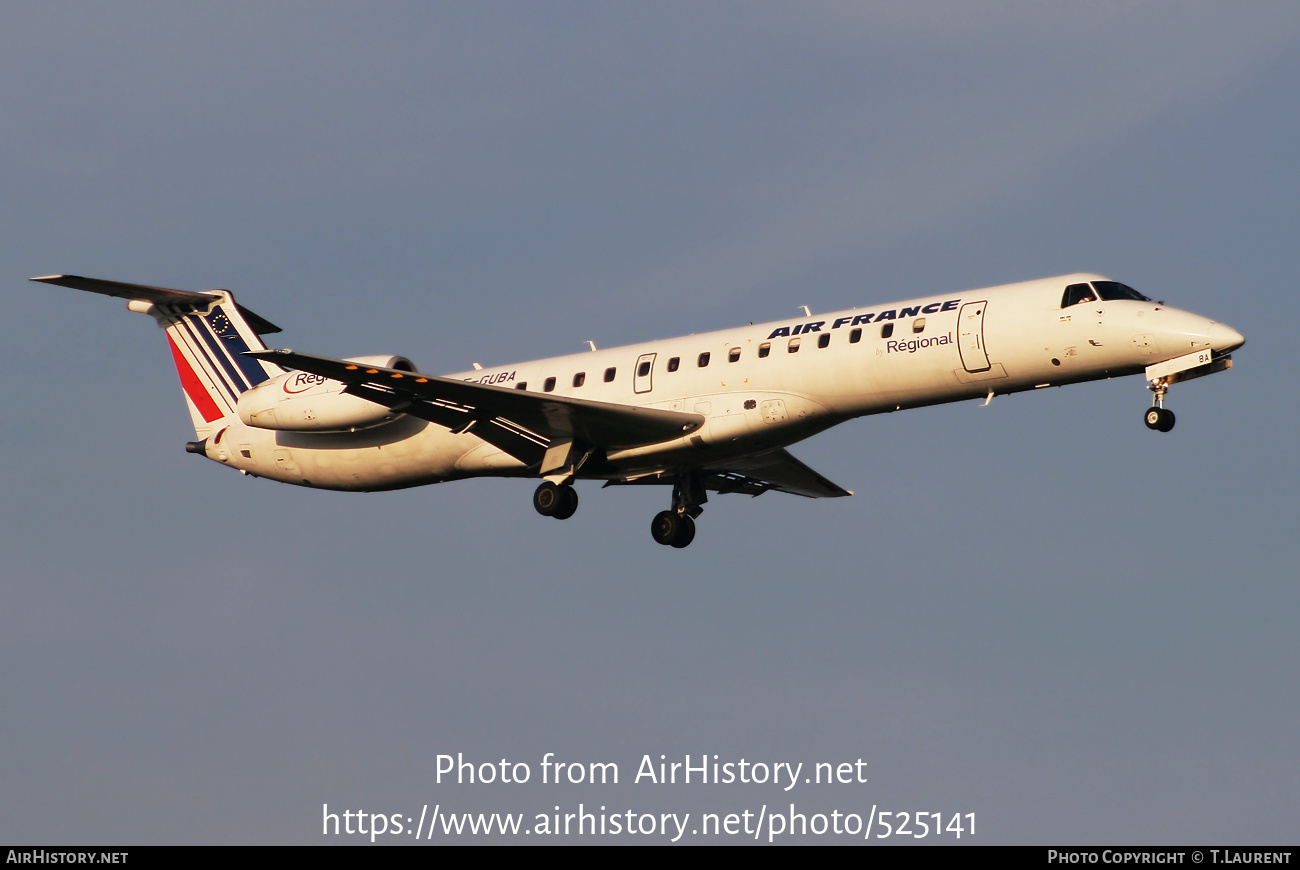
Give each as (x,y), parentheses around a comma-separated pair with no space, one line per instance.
(970,336)
(645,365)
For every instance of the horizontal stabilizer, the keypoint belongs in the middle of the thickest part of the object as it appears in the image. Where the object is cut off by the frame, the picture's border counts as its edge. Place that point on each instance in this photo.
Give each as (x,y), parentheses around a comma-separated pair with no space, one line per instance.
(156,295)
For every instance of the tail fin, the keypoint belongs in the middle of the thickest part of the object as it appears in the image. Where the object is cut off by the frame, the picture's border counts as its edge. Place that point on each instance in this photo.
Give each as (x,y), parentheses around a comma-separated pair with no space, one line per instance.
(208,334)
(208,346)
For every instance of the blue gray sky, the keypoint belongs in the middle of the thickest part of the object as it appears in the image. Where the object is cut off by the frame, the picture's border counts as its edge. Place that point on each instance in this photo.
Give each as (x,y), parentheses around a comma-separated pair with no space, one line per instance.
(1038,612)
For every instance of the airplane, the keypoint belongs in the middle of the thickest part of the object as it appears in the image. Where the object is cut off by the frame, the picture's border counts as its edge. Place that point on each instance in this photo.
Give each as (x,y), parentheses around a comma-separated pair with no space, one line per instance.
(712,412)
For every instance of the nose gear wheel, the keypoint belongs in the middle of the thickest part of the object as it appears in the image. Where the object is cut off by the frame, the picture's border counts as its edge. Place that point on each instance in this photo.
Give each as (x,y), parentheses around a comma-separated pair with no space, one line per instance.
(1159,419)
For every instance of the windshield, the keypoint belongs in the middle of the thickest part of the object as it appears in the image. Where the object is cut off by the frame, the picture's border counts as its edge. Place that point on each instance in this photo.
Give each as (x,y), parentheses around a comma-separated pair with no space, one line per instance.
(1076,293)
(1116,290)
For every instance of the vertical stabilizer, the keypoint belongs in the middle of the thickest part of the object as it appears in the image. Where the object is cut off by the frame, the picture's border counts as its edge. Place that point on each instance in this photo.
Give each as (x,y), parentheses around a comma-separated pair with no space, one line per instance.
(208,346)
(207,333)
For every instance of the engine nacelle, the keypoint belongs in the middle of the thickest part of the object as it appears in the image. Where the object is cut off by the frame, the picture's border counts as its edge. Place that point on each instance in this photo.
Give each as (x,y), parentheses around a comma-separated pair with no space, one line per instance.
(303,402)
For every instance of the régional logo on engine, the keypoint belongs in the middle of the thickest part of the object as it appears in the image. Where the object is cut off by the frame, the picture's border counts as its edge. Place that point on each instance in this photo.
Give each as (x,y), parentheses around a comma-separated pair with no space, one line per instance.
(301,382)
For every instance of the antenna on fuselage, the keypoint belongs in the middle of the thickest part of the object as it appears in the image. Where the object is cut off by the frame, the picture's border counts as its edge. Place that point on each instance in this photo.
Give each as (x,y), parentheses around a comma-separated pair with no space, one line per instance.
(593,344)
(806,312)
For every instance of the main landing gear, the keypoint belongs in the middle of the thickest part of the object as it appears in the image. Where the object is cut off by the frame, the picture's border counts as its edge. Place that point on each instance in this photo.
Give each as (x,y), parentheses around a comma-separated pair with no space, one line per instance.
(672,528)
(1159,417)
(552,500)
(676,527)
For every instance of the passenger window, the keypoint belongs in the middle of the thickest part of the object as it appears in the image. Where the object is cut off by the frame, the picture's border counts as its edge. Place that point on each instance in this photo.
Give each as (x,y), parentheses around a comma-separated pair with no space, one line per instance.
(733,354)
(643,368)
(793,346)
(764,349)
(548,384)
(855,335)
(1076,293)
(579,379)
(674,363)
(918,325)
(887,330)
(522,385)
(824,340)
(609,375)
(704,359)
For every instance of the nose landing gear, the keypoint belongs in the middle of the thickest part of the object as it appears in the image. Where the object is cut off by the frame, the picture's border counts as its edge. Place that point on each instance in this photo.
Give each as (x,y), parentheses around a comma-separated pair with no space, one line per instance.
(1158,417)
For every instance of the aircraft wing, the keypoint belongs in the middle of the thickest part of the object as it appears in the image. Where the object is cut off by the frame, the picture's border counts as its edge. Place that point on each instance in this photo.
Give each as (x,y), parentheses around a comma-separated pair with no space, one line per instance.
(522,423)
(776,471)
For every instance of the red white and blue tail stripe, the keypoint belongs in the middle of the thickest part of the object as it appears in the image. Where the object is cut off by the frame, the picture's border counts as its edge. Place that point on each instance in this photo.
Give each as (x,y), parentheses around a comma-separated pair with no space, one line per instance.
(208,347)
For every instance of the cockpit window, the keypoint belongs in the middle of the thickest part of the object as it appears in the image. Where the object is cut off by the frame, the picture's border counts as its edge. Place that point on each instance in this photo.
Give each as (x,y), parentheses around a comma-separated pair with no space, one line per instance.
(1115,290)
(1076,293)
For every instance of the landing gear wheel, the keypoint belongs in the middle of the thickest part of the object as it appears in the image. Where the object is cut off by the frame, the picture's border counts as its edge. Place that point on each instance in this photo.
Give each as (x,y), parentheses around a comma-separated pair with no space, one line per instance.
(685,533)
(547,499)
(559,501)
(676,527)
(673,529)
(665,526)
(568,502)
(1160,419)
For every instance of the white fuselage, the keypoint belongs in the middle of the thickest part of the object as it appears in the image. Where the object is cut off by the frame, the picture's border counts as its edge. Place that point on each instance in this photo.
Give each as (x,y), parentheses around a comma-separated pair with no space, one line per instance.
(766,385)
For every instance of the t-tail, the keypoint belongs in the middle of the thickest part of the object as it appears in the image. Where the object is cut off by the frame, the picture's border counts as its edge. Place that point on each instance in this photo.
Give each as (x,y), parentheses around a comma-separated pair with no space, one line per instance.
(208,334)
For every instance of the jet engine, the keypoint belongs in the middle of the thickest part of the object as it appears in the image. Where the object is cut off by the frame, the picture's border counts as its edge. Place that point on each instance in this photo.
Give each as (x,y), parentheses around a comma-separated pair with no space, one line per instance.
(303,402)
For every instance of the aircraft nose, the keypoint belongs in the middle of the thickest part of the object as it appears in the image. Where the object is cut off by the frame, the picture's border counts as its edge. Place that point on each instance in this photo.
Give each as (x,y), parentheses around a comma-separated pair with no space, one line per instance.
(1225,339)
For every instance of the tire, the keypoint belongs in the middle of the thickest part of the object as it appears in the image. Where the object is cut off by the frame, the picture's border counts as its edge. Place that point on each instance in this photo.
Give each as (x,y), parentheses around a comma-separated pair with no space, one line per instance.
(685,533)
(1153,418)
(1167,420)
(547,499)
(568,502)
(665,527)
